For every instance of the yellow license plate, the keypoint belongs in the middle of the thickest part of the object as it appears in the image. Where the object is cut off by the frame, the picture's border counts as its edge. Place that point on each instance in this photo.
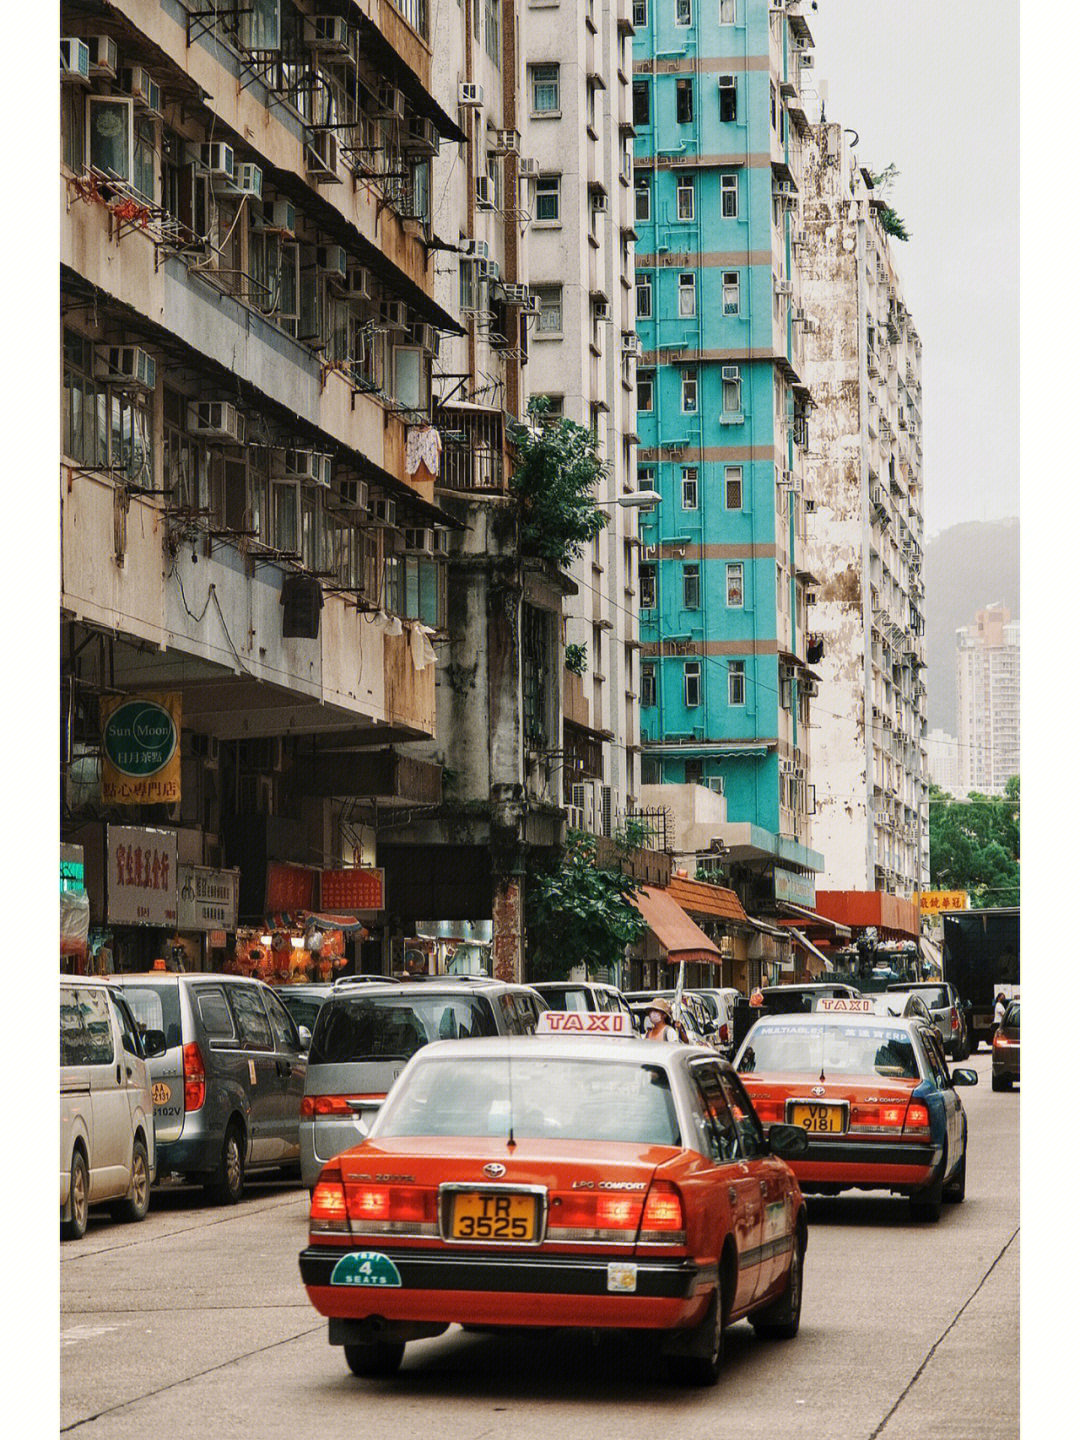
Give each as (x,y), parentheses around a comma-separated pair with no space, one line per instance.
(819,1119)
(485,1215)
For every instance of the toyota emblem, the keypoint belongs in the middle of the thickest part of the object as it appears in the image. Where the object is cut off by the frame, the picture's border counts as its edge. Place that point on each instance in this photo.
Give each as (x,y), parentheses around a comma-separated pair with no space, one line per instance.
(494,1170)
(818,1090)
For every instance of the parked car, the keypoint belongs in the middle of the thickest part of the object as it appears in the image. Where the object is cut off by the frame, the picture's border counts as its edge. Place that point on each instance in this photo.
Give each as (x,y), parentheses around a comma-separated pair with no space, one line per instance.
(582,995)
(874,1095)
(365,1034)
(798,999)
(946,1012)
(107,1148)
(586,1182)
(228,1087)
(1005,1050)
(907,1004)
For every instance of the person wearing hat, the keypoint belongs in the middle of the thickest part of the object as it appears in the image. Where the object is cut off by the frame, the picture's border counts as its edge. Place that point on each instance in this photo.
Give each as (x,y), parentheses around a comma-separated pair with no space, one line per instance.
(659,1019)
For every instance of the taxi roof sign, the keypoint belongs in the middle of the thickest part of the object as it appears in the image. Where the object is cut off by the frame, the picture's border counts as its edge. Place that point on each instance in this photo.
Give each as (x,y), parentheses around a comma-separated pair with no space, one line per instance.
(847,1005)
(586,1022)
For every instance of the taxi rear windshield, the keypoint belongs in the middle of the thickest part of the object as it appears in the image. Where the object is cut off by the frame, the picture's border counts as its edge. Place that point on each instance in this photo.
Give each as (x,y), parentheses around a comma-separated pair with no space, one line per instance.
(540,1099)
(156,1006)
(831,1050)
(391,1027)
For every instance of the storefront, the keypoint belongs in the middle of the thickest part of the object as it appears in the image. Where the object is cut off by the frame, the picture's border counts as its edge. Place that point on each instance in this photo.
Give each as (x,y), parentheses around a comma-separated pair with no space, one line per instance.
(672,938)
(206,915)
(141,899)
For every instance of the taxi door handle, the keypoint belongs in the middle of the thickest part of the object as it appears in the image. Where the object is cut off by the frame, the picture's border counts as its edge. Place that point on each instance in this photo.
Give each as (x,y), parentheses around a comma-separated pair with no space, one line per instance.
(732,1194)
(764,1187)
(284,1068)
(118,1080)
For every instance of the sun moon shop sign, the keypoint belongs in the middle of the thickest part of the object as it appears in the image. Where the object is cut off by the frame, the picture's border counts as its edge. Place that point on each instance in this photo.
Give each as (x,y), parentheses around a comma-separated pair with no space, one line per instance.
(140,749)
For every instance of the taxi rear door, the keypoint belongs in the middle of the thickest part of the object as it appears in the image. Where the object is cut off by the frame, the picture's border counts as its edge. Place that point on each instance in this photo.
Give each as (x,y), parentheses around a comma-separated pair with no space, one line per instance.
(774,1179)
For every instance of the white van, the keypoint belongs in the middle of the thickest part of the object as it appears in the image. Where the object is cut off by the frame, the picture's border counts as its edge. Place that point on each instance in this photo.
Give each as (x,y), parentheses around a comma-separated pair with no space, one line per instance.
(107,1150)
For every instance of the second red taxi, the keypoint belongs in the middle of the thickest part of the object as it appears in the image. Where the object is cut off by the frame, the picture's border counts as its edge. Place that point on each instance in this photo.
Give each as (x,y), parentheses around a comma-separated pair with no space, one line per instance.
(562,1181)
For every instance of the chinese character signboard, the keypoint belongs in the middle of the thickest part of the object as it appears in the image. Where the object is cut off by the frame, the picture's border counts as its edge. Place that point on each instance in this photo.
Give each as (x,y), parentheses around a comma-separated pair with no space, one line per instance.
(141,876)
(935,902)
(288,887)
(208,898)
(354,889)
(140,750)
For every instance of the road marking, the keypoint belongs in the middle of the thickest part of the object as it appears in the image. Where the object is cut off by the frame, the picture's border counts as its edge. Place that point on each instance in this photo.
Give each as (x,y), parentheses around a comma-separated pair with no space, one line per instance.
(79,1333)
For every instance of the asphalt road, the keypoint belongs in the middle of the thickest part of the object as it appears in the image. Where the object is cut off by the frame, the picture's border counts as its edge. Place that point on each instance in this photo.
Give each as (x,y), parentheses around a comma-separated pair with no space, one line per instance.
(195,1322)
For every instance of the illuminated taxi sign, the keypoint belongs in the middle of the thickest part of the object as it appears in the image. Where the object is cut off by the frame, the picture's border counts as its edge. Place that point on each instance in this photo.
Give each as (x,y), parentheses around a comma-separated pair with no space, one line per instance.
(846,1005)
(572,1022)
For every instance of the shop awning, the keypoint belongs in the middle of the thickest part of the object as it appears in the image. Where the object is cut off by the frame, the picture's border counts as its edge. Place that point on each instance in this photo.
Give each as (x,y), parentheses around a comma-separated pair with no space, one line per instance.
(810,948)
(932,953)
(831,927)
(673,928)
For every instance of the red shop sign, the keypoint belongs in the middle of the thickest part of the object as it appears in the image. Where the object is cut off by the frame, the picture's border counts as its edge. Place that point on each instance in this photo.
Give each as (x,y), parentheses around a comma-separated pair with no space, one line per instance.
(354,889)
(288,887)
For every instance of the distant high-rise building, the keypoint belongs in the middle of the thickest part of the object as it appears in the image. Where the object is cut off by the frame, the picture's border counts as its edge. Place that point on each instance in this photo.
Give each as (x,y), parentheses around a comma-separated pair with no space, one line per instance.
(988,700)
(943,759)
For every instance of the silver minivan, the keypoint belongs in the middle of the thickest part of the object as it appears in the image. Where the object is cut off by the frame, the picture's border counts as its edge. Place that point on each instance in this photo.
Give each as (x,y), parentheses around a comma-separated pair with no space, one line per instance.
(228,1086)
(365,1034)
(107,1147)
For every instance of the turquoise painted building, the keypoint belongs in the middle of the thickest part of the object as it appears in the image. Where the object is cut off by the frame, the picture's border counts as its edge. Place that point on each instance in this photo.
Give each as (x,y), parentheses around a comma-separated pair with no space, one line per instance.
(722,413)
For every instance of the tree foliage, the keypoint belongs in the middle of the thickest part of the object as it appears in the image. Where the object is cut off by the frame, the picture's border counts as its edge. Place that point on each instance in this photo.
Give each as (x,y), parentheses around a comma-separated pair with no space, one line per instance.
(891,222)
(975,845)
(578,914)
(556,478)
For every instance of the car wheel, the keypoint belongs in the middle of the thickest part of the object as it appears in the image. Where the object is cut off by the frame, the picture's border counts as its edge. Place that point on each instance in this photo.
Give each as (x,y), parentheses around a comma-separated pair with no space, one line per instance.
(703,1369)
(955,1190)
(136,1202)
(780,1320)
(227,1183)
(926,1205)
(74,1228)
(1000,1082)
(379,1358)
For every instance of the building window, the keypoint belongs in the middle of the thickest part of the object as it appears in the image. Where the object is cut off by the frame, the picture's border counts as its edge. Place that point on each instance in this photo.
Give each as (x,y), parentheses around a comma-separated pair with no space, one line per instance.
(729,197)
(691,587)
(733,487)
(642,198)
(550,320)
(73,126)
(727,12)
(736,682)
(689,392)
(731,386)
(648,687)
(731,292)
(644,297)
(641,103)
(645,393)
(772,104)
(689,487)
(683,12)
(684,102)
(729,107)
(547,200)
(684,199)
(646,480)
(687,295)
(692,684)
(545,89)
(647,581)
(735,586)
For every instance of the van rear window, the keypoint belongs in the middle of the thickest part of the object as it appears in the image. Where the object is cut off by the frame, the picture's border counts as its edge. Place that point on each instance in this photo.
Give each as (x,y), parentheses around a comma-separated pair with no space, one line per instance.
(156,1007)
(393,1028)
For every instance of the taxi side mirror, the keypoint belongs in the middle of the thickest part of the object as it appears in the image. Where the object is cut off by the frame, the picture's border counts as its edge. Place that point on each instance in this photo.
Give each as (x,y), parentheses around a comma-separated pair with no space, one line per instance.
(305,1038)
(153,1043)
(965,1077)
(789,1142)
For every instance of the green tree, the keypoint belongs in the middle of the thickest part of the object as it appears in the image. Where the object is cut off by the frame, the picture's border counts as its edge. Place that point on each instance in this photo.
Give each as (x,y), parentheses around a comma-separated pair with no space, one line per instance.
(890,220)
(557,474)
(975,845)
(578,914)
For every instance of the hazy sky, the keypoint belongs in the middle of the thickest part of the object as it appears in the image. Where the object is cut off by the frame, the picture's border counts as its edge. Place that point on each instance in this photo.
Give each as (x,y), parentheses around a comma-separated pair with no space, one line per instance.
(932,86)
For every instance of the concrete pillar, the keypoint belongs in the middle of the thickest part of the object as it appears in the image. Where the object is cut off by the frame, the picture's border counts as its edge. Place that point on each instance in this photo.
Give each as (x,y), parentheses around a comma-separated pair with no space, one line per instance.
(507,930)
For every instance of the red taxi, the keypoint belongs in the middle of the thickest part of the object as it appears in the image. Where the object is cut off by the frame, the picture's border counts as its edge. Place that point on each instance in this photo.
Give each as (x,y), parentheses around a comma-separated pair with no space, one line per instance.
(566,1181)
(874,1094)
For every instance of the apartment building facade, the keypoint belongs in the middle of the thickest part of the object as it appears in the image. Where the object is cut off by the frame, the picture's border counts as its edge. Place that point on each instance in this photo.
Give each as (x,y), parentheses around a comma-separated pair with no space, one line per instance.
(988,700)
(863,480)
(724,421)
(251,536)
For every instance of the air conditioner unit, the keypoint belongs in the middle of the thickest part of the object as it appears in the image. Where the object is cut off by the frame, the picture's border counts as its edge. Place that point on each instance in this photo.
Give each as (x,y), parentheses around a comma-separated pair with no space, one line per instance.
(383,510)
(358,283)
(215,420)
(426,336)
(420,542)
(391,100)
(716,783)
(729,372)
(631,345)
(333,261)
(104,57)
(217,160)
(528,168)
(531,304)
(279,214)
(784,188)
(144,90)
(474,249)
(787,480)
(75,61)
(601,309)
(782,287)
(353,495)
(421,135)
(806,60)
(308,465)
(249,180)
(507,141)
(485,193)
(598,202)
(798,316)
(392,315)
(515,293)
(470,95)
(321,156)
(725,82)
(328,33)
(125,365)
(488,270)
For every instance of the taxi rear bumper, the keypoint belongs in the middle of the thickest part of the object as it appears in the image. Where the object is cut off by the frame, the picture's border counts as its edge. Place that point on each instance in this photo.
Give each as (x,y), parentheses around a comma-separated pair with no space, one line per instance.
(844,1161)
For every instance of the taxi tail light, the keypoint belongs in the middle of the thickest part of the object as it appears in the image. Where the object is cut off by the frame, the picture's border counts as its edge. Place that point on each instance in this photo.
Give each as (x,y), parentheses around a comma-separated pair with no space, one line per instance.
(328,1207)
(194,1077)
(917,1122)
(884,1117)
(336,1105)
(664,1219)
(725,1032)
(391,1209)
(582,1210)
(769,1112)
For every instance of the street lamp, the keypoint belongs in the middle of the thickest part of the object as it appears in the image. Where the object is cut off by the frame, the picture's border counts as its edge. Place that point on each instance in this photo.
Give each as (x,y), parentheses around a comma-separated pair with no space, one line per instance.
(636,498)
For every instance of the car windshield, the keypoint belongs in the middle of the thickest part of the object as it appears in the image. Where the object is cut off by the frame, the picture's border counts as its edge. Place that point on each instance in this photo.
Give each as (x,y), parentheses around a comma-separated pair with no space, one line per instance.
(303,1008)
(392,1027)
(566,999)
(592,1100)
(830,1050)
